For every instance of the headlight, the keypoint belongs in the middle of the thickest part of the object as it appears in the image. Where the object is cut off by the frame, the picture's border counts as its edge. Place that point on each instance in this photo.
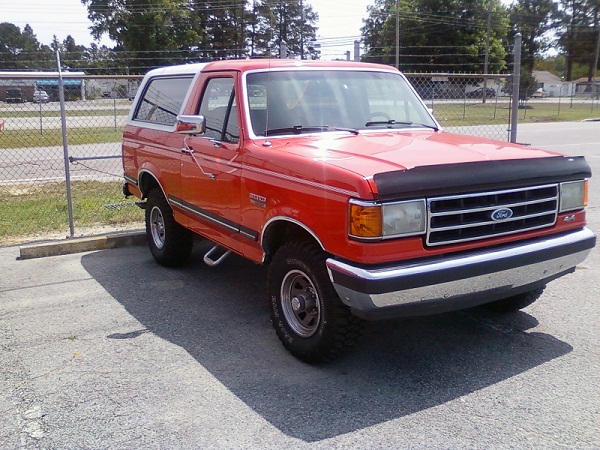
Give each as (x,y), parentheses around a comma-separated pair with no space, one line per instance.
(369,220)
(404,218)
(573,195)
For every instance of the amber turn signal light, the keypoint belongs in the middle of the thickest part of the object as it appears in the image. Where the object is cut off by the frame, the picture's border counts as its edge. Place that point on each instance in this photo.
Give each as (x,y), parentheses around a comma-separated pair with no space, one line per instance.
(365,221)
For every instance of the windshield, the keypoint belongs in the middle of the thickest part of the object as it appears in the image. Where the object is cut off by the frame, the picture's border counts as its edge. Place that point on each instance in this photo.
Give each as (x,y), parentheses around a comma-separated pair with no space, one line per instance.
(292,102)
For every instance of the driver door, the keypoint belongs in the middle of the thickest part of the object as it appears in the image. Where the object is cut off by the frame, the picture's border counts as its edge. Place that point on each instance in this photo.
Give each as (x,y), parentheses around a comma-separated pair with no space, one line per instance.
(210,170)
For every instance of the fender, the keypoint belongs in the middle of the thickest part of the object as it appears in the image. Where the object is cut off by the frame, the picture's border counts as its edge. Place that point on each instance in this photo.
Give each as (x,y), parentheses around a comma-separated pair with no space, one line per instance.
(142,186)
(273,220)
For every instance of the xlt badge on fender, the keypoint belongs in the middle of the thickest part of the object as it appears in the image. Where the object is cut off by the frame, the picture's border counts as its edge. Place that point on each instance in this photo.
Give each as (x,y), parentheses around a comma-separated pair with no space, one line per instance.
(258,200)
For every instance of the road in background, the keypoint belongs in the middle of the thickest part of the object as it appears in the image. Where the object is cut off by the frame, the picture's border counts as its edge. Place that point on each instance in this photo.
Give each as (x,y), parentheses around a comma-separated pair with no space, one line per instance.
(570,138)
(109,350)
(46,164)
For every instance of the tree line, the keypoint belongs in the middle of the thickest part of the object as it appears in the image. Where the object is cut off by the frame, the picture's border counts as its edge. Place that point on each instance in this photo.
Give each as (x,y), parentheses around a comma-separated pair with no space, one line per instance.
(152,33)
(424,35)
(455,35)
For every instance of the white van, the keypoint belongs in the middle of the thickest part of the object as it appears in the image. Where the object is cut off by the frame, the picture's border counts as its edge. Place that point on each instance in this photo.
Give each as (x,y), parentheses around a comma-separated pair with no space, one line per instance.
(41,97)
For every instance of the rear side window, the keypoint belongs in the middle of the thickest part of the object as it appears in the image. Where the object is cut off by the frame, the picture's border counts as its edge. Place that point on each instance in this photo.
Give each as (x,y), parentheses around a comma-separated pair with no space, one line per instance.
(162,100)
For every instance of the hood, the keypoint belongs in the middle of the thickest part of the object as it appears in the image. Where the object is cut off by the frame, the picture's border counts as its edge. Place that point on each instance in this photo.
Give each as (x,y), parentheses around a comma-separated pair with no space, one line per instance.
(370,153)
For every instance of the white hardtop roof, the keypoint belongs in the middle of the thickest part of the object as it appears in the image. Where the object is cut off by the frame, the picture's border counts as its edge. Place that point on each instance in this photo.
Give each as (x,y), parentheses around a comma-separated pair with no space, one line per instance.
(187,69)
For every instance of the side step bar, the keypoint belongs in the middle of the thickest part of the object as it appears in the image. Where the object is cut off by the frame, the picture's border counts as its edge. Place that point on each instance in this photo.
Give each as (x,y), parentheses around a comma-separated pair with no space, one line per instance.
(209,260)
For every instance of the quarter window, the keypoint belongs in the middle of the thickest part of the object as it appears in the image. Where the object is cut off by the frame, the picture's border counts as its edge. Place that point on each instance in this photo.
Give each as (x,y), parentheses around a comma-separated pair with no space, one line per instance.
(162,100)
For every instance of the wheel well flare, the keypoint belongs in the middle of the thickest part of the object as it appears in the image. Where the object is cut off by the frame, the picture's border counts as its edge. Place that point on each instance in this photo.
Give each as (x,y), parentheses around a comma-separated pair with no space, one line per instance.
(282,230)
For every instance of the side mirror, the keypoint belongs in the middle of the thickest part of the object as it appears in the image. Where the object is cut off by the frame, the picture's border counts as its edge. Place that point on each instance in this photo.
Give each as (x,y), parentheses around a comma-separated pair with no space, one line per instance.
(190,124)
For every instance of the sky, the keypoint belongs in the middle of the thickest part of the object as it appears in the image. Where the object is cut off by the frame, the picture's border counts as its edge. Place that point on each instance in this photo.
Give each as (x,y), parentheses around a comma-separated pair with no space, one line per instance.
(339,21)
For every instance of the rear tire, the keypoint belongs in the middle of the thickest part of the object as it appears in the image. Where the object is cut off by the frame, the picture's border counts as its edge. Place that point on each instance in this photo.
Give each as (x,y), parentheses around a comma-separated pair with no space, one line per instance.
(308,316)
(170,243)
(515,302)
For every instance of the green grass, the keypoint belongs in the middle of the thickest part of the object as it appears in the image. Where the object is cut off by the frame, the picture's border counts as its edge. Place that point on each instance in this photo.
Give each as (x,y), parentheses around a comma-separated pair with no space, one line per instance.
(547,112)
(71,113)
(35,209)
(491,113)
(53,137)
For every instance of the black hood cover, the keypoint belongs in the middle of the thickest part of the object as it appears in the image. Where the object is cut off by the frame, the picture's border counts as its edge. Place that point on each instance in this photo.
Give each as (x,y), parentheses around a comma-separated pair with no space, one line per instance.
(450,179)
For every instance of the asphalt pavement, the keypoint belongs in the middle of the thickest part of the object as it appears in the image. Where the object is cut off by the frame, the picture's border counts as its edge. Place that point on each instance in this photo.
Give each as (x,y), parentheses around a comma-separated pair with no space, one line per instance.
(106,349)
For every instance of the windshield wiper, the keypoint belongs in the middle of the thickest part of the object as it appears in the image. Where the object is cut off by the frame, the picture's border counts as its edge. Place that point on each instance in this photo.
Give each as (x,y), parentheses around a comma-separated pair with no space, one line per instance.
(394,122)
(297,129)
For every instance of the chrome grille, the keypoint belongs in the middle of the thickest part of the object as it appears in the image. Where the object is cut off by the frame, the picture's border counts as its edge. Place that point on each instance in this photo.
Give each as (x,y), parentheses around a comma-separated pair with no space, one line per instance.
(463,218)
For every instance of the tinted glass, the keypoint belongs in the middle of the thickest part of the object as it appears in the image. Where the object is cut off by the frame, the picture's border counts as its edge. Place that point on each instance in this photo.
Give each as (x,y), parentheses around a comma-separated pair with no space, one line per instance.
(162,100)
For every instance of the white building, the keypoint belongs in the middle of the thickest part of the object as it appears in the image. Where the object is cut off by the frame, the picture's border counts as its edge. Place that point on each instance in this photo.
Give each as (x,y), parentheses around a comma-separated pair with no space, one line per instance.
(553,85)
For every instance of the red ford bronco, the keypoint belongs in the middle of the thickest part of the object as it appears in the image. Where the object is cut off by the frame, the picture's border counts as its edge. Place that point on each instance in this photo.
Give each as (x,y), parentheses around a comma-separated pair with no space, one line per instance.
(336,176)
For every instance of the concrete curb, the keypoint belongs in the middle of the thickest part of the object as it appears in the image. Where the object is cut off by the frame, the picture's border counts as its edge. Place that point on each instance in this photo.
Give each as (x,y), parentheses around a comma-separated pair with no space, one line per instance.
(84,244)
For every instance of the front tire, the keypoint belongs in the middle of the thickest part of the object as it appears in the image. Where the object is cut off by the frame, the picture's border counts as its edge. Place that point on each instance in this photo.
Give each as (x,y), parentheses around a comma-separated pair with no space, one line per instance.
(516,302)
(170,243)
(308,316)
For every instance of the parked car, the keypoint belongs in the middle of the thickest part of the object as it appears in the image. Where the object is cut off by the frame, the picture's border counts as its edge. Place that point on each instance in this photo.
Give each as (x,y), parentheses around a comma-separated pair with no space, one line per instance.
(540,93)
(40,97)
(340,180)
(478,93)
(427,91)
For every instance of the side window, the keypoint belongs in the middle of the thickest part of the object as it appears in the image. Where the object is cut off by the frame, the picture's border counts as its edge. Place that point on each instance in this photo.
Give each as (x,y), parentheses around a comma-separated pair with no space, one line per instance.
(219,107)
(162,100)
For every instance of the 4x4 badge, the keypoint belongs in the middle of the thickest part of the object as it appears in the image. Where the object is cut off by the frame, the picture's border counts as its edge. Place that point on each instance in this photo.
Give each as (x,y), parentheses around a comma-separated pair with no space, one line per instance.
(502,214)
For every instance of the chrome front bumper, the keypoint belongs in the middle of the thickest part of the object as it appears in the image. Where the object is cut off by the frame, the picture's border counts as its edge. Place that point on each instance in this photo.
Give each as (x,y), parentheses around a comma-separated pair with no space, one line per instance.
(457,281)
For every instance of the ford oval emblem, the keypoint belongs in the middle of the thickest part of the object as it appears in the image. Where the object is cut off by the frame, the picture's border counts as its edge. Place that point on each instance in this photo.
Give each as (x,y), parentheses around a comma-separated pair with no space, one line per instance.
(502,214)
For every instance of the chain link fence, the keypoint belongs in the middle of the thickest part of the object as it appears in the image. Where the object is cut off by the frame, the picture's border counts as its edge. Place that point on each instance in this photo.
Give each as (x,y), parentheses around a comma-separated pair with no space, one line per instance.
(35,166)
(580,100)
(469,104)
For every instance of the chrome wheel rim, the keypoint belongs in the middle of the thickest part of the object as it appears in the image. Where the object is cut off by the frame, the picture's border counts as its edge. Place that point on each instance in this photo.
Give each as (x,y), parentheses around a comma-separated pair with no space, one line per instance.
(157,227)
(300,303)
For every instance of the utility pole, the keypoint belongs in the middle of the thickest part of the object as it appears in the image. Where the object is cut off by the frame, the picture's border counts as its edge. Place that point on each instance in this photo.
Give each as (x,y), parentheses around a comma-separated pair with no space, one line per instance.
(397,34)
(242,26)
(516,82)
(595,83)
(283,50)
(487,49)
(302,30)
(253,28)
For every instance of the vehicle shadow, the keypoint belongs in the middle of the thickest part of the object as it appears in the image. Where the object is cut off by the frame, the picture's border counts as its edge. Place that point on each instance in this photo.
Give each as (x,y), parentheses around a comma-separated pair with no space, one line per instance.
(220,317)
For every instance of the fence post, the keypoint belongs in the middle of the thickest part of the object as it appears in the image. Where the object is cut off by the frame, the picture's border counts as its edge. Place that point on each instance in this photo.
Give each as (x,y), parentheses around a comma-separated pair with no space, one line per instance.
(63,121)
(560,98)
(41,120)
(115,106)
(516,85)
(496,102)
